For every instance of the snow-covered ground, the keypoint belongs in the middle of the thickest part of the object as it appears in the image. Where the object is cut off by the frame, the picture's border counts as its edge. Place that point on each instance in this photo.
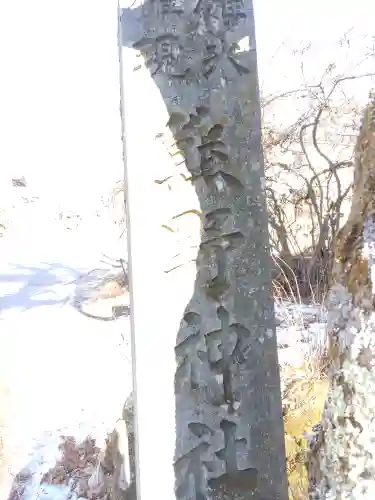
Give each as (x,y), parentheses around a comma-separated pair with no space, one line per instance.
(61,373)
(301,331)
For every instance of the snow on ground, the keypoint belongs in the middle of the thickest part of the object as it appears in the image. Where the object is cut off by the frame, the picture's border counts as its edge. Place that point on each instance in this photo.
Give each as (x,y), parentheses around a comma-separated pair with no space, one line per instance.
(63,373)
(301,331)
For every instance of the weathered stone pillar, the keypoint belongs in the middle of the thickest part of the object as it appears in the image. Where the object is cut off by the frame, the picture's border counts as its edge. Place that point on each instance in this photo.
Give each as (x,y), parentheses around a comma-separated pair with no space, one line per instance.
(209,418)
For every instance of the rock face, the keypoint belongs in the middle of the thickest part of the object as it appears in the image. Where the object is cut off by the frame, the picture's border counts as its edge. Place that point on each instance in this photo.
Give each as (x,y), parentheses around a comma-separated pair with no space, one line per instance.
(344,454)
(191,68)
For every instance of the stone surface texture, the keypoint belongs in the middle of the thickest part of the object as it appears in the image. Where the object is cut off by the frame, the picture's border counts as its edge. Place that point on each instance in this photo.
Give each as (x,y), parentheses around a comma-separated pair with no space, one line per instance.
(342,461)
(195,198)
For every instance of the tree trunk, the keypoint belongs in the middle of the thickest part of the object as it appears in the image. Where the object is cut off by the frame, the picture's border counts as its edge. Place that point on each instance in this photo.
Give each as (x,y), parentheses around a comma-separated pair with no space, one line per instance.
(342,462)
(199,251)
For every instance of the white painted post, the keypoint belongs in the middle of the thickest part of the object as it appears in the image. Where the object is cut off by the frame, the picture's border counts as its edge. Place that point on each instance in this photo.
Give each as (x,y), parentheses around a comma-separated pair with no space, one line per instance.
(158,298)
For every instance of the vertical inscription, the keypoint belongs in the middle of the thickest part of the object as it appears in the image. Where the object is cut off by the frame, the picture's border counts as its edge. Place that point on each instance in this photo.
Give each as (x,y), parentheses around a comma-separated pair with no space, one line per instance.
(204,70)
(225,341)
(193,44)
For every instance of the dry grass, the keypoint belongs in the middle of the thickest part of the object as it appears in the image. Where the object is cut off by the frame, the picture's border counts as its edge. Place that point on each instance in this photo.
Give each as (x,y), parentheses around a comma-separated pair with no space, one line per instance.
(305,390)
(293,282)
(303,406)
